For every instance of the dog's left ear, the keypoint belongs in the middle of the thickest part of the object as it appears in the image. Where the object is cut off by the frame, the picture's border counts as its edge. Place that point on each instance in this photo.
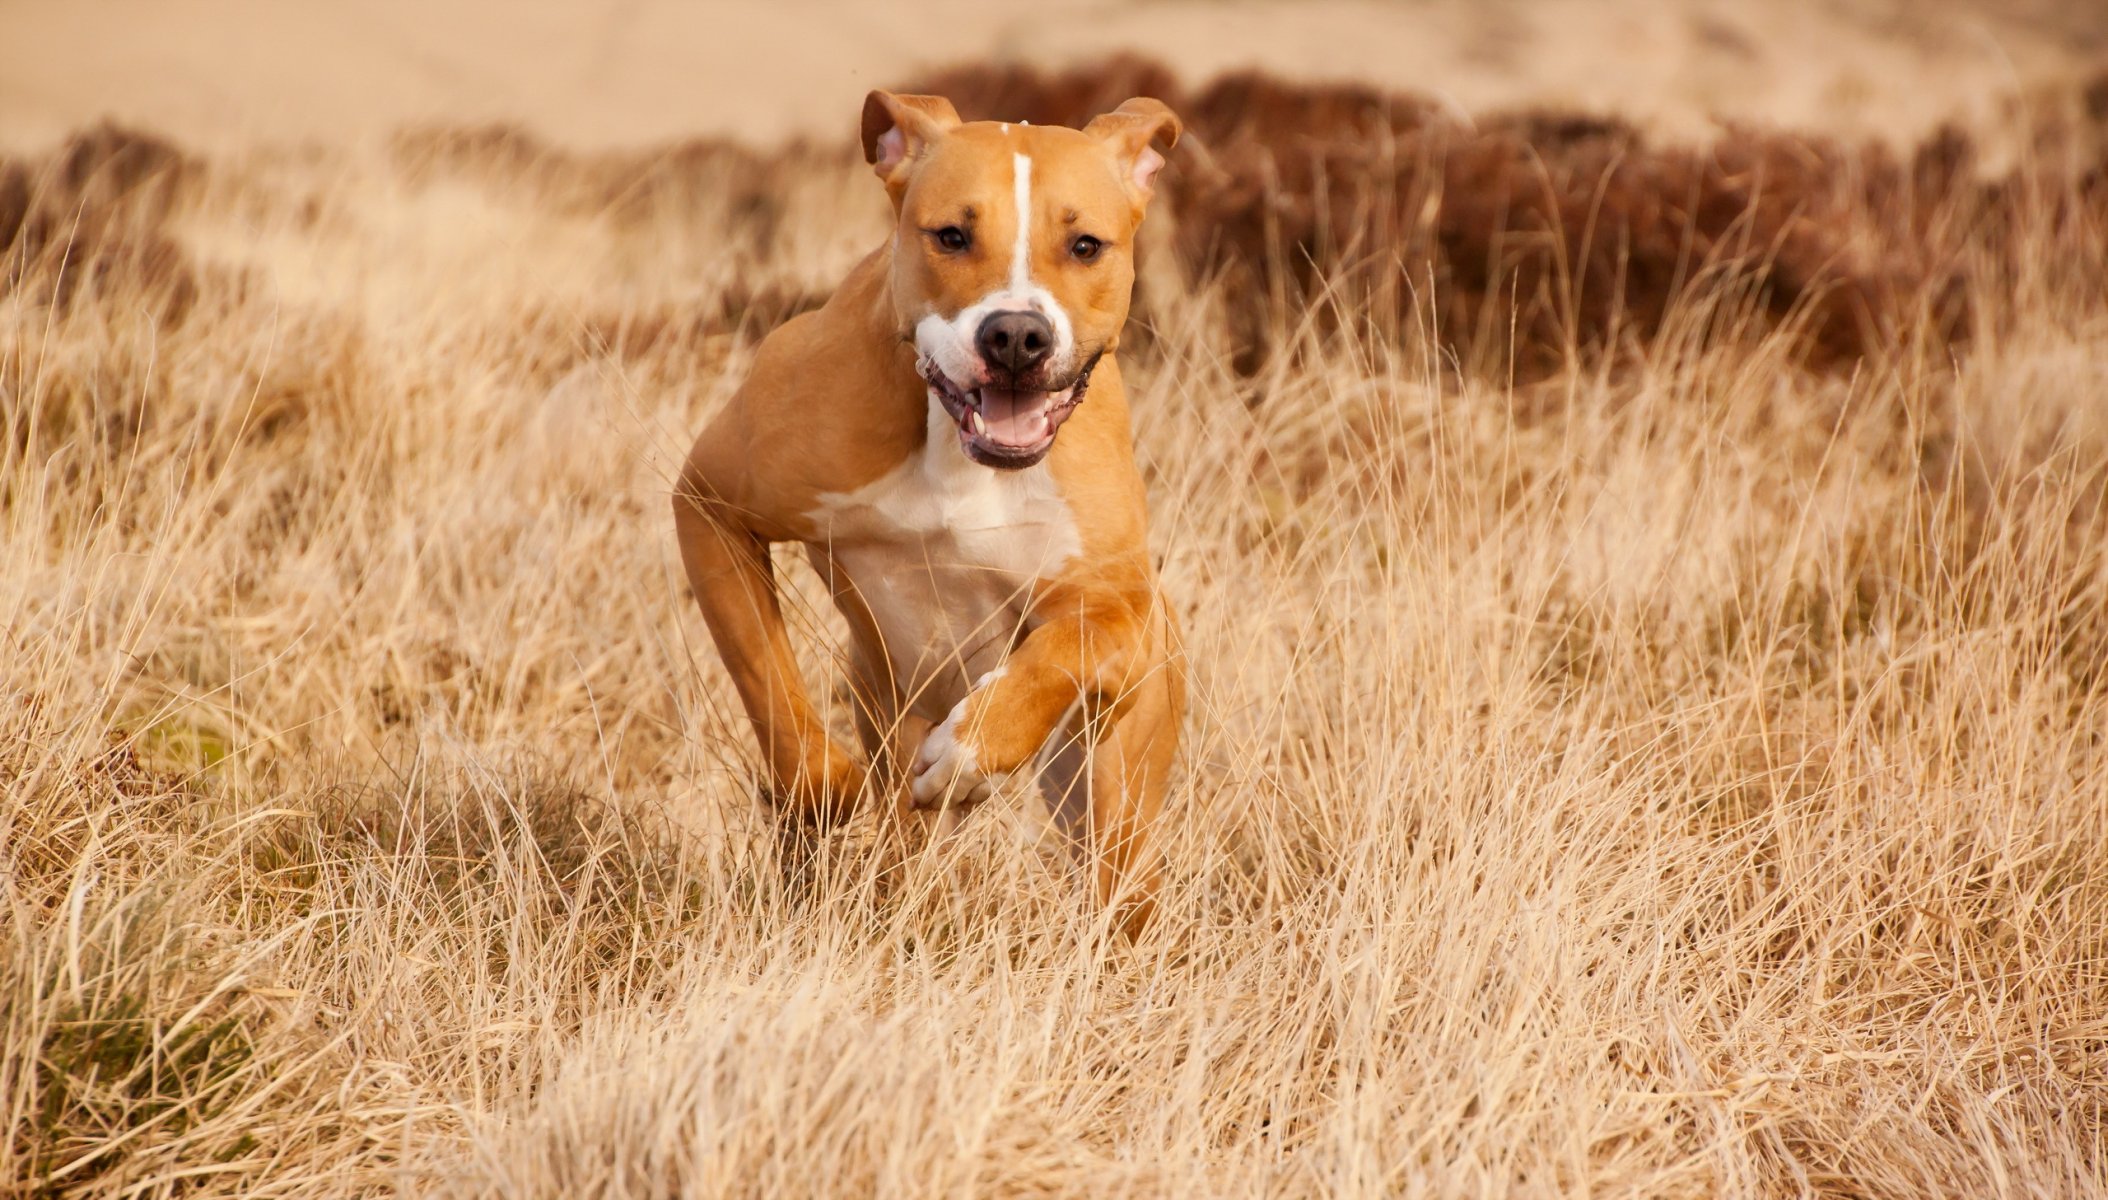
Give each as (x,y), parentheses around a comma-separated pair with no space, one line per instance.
(1133,131)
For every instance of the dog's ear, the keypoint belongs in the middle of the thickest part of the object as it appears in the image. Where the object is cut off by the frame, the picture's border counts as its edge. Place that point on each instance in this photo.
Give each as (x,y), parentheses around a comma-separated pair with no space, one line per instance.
(1134,131)
(897,129)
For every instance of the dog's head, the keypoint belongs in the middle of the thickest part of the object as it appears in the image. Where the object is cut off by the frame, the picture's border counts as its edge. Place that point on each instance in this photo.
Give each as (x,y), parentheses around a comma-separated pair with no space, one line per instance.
(1013,256)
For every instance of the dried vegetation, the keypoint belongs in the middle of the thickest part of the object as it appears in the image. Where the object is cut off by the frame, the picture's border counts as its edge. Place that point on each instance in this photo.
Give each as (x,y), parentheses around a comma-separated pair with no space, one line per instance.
(1647,607)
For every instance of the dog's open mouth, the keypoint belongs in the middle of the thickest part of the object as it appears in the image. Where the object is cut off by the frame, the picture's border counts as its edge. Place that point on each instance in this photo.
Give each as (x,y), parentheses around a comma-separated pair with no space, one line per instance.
(1006,427)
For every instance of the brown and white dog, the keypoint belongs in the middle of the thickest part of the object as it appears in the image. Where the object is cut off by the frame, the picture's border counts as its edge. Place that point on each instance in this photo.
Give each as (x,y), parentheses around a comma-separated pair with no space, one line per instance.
(948,438)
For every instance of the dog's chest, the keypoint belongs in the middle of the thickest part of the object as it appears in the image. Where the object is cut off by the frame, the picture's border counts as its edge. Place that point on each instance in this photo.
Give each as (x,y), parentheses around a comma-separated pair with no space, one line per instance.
(943,553)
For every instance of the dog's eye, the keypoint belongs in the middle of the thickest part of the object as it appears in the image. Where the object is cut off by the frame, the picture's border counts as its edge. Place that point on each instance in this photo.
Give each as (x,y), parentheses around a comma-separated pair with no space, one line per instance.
(952,239)
(1086,248)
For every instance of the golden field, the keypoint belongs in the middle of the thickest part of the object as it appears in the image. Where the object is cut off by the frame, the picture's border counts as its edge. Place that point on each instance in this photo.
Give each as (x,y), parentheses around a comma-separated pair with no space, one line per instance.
(1664,761)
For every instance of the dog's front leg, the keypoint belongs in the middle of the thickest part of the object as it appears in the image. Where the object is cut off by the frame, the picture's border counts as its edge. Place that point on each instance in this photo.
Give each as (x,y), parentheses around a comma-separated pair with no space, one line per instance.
(1087,651)
(729,570)
(1116,659)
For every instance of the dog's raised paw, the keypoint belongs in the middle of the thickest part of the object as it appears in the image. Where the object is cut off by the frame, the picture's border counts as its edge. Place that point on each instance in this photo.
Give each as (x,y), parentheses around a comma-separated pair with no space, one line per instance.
(947,773)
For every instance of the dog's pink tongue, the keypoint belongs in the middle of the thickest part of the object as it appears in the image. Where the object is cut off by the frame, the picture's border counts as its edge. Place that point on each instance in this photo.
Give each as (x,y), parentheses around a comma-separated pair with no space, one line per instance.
(1014,418)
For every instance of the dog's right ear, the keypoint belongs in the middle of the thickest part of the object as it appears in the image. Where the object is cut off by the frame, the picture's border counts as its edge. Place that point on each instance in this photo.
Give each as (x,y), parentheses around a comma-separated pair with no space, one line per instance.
(898,129)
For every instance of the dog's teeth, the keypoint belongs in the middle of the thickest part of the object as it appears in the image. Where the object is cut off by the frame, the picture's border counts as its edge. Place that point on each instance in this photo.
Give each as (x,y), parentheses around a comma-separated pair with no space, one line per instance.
(974,424)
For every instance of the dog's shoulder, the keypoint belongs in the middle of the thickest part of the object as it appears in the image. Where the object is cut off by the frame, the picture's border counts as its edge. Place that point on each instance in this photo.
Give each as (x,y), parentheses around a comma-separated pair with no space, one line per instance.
(822,403)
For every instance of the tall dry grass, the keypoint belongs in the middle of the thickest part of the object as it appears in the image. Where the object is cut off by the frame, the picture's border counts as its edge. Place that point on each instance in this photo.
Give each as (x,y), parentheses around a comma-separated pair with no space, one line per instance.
(1683,776)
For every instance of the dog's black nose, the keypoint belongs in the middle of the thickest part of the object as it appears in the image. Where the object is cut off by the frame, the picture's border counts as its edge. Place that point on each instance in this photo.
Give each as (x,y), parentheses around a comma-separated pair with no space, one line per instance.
(1015,341)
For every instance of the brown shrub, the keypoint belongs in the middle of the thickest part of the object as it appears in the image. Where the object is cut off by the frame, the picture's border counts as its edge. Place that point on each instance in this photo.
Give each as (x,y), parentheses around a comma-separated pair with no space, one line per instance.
(14,201)
(92,218)
(1014,93)
(1252,106)
(688,176)
(1529,238)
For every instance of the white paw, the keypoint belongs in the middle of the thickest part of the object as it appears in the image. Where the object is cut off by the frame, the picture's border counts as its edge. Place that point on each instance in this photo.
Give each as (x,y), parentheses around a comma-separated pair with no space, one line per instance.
(946,774)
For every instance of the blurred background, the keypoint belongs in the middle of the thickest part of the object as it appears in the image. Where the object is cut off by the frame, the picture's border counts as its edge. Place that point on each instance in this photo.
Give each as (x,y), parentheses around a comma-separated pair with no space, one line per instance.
(602,72)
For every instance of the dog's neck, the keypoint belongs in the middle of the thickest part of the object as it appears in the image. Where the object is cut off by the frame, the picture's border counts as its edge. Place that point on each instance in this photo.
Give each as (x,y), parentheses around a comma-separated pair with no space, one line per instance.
(887,357)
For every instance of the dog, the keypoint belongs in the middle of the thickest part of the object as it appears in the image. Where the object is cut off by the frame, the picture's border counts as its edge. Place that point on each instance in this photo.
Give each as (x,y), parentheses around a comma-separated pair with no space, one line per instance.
(948,439)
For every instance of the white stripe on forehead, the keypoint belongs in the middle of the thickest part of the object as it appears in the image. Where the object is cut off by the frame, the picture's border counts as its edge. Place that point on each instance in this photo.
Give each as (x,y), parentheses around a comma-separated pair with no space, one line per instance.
(1021,256)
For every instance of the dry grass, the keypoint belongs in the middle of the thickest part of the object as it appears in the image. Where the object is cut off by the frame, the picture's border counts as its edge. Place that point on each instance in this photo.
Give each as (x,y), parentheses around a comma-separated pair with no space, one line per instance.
(1682,779)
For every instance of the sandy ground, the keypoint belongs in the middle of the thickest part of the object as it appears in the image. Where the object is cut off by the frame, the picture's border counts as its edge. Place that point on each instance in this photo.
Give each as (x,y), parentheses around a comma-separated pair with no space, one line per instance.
(219,72)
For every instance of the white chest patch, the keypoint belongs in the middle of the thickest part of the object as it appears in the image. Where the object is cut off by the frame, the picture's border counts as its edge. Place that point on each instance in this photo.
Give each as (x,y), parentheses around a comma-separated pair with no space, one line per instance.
(944,552)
